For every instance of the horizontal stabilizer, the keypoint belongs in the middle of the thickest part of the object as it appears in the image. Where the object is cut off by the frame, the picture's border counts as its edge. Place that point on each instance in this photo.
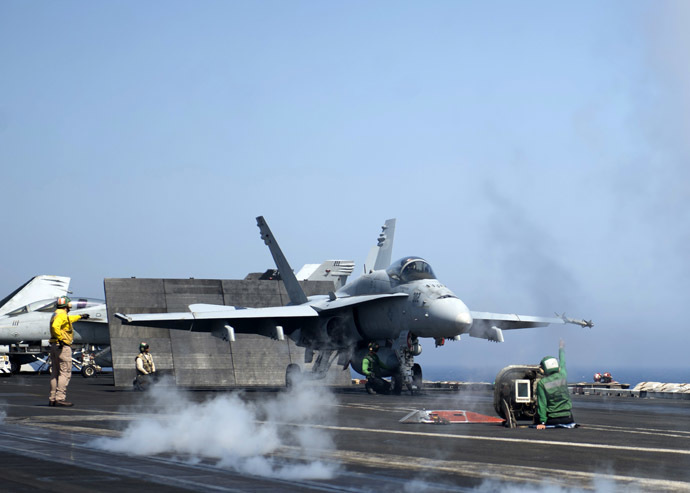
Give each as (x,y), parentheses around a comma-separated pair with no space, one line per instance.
(331,270)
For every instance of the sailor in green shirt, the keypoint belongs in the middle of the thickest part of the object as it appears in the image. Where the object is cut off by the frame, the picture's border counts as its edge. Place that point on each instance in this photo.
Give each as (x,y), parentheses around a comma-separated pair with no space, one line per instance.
(553,397)
(371,367)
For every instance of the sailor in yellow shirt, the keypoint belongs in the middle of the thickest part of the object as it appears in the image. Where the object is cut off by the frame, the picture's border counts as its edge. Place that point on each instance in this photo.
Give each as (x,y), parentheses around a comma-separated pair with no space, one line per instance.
(61,338)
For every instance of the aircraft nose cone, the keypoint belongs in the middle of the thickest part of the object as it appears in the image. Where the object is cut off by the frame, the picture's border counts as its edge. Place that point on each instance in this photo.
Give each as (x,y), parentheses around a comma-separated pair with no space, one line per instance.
(450,315)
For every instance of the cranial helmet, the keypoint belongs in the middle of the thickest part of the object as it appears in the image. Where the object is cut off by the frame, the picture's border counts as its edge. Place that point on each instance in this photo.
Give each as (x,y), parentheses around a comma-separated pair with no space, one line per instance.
(549,364)
(373,346)
(143,347)
(63,302)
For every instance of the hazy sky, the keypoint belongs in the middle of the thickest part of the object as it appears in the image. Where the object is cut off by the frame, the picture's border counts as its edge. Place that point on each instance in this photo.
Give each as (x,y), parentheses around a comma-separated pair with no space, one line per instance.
(535,153)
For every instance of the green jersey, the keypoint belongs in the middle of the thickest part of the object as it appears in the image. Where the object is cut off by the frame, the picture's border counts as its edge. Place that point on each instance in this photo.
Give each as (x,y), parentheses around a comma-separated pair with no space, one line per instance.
(553,396)
(371,364)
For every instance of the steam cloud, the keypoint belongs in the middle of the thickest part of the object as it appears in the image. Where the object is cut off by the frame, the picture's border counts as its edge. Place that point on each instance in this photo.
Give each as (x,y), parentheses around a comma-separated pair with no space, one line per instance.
(238,434)
(600,484)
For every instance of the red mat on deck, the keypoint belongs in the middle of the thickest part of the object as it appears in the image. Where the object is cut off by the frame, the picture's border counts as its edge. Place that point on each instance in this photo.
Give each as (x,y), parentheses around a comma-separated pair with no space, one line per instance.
(447,417)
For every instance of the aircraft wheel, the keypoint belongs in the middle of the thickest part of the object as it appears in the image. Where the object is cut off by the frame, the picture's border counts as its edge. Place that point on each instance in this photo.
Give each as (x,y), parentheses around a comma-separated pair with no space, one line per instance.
(88,371)
(14,366)
(417,376)
(293,374)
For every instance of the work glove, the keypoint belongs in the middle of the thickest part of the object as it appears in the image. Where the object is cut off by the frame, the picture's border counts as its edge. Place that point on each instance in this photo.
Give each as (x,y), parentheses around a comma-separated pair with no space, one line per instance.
(85,316)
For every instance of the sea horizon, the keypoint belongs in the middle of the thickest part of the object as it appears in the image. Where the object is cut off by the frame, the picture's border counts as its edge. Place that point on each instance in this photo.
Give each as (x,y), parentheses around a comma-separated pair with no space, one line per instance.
(628,375)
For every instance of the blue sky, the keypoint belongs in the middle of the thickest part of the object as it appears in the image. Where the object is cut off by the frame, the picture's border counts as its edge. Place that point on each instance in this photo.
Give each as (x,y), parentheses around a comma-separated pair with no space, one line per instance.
(535,153)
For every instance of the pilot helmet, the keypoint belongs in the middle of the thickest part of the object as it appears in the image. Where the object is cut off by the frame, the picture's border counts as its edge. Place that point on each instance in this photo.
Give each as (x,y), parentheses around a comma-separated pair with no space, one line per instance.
(143,347)
(373,346)
(63,302)
(549,364)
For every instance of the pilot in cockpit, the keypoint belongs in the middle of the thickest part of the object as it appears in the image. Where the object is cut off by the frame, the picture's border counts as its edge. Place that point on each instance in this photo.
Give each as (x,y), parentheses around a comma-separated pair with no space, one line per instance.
(410,269)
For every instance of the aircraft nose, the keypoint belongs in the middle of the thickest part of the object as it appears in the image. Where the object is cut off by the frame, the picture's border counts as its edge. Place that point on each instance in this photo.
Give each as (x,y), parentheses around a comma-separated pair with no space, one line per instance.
(451,314)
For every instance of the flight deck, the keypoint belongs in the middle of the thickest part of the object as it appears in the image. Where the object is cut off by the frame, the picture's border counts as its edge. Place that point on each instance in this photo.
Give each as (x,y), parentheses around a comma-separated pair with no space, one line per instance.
(334,439)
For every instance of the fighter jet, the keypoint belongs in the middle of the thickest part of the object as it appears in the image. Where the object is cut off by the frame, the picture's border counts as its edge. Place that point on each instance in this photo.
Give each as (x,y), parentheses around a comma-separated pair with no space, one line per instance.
(394,306)
(25,319)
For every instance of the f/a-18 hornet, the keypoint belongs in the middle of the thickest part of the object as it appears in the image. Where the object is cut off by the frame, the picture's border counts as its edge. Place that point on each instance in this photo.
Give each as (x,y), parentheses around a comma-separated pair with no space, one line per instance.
(391,304)
(25,316)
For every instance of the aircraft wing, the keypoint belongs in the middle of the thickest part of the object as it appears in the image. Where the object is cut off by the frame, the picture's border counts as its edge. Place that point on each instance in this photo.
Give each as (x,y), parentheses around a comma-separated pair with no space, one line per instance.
(207,318)
(212,317)
(508,321)
(490,326)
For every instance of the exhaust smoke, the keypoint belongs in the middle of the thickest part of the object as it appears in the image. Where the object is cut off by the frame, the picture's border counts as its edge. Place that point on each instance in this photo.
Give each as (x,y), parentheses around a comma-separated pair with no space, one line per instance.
(240,435)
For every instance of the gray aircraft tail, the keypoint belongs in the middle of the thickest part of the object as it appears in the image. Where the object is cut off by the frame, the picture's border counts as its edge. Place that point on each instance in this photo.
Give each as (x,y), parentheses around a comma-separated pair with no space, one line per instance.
(330,270)
(294,290)
(36,289)
(380,255)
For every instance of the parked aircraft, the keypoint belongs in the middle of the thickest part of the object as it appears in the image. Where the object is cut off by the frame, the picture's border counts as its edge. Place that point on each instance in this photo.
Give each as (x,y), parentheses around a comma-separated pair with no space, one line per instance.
(25,319)
(394,306)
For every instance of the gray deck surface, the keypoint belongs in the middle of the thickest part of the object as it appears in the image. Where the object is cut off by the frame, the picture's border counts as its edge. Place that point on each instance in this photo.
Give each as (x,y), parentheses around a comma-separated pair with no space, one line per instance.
(623,444)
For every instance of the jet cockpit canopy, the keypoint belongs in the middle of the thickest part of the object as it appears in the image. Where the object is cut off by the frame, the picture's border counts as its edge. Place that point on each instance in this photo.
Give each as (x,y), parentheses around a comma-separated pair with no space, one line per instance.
(409,269)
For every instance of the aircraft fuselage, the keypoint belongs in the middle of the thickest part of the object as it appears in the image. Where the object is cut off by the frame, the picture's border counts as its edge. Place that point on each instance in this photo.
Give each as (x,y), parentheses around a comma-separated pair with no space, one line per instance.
(35,325)
(429,309)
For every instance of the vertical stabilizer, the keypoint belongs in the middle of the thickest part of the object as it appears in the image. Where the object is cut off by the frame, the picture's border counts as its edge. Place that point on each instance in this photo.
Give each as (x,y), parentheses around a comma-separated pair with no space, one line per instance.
(380,255)
(36,289)
(294,290)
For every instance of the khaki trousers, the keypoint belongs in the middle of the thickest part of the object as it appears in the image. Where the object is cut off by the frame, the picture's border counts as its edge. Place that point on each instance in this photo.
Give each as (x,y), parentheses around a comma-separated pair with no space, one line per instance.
(60,371)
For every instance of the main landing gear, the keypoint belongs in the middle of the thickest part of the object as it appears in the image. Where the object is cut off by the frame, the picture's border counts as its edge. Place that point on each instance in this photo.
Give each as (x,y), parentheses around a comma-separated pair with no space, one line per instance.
(293,374)
(406,348)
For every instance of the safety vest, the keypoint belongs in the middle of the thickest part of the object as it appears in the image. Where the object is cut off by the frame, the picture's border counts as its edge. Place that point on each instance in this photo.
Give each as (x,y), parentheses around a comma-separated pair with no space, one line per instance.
(371,364)
(146,362)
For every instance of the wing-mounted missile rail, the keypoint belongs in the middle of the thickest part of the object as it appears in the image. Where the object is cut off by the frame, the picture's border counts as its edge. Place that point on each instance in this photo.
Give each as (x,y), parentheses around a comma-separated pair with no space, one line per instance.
(515,396)
(575,321)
